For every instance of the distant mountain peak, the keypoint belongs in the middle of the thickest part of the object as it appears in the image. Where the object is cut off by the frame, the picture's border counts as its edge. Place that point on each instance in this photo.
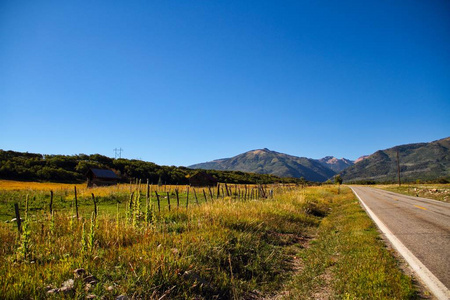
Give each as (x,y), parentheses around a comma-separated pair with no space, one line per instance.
(265,161)
(336,164)
(259,151)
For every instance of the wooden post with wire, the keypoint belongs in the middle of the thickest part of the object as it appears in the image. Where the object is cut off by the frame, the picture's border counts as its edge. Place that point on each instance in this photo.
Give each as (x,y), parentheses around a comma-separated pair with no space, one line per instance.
(178,199)
(95,205)
(76,201)
(168,199)
(51,202)
(157,199)
(204,195)
(195,195)
(18,220)
(187,198)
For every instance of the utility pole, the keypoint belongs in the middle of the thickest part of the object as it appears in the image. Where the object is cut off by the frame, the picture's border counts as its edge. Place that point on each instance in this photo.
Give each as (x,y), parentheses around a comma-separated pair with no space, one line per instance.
(117,152)
(398,170)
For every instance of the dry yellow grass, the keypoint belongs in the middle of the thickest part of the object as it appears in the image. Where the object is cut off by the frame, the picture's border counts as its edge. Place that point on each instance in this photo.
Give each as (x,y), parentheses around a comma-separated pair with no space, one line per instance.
(10,185)
(82,190)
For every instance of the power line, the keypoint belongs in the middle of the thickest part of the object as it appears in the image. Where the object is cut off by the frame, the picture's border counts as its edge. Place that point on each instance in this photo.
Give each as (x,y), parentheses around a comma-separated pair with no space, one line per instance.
(117,153)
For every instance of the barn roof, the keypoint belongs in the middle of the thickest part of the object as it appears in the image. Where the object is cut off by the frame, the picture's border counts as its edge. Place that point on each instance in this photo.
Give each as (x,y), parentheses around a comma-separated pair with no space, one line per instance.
(102,173)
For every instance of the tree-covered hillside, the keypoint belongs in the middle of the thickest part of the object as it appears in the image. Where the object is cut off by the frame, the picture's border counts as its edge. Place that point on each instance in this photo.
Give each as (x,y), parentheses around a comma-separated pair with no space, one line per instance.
(422,161)
(73,168)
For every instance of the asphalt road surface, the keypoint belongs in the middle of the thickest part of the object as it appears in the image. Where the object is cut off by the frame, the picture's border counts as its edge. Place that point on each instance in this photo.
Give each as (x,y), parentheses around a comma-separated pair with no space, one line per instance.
(421,225)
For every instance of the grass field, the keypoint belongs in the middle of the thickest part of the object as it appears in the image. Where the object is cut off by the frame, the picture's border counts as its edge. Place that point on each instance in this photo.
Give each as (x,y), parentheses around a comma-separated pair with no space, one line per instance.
(300,243)
(439,192)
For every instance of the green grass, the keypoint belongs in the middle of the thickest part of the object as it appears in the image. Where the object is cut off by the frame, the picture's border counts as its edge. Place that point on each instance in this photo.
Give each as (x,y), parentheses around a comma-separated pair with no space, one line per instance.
(348,259)
(226,249)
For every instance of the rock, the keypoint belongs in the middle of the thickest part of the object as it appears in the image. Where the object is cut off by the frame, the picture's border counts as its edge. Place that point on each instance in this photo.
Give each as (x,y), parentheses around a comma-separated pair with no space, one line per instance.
(91,279)
(110,288)
(65,289)
(91,296)
(79,272)
(88,287)
(49,287)
(122,297)
(68,283)
(53,291)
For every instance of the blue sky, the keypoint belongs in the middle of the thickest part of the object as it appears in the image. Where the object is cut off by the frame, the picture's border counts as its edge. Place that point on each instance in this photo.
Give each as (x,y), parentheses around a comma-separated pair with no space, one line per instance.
(183,82)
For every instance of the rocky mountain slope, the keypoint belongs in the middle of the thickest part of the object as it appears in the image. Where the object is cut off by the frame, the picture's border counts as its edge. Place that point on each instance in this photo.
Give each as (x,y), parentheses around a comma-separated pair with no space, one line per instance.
(265,161)
(421,161)
(361,158)
(336,164)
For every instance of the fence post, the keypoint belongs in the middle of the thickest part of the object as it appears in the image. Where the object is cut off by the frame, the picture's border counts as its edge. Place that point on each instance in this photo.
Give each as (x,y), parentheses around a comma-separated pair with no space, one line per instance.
(204,195)
(195,195)
(51,202)
(226,188)
(147,196)
(157,198)
(210,193)
(178,199)
(95,205)
(76,200)
(19,222)
(187,198)
(168,199)
(218,190)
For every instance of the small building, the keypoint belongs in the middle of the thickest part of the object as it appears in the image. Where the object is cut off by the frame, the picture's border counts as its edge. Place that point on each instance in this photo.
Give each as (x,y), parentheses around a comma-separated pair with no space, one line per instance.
(101,177)
(202,179)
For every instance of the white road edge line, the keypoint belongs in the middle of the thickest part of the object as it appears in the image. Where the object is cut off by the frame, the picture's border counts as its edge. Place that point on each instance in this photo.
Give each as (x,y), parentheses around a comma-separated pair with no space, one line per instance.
(439,290)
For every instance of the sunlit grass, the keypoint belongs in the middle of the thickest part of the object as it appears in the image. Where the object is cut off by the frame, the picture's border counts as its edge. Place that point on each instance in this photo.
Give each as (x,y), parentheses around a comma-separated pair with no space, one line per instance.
(225,247)
(348,259)
(439,192)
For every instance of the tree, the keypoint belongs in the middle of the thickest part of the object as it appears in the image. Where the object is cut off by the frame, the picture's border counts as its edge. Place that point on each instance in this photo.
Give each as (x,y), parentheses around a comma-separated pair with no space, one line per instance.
(338,179)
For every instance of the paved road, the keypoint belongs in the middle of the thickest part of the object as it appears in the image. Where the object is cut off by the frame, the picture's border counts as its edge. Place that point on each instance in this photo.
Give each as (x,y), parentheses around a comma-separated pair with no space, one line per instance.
(421,225)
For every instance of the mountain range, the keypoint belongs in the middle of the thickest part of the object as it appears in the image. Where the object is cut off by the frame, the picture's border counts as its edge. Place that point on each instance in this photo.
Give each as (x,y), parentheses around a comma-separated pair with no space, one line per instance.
(265,161)
(419,161)
(423,161)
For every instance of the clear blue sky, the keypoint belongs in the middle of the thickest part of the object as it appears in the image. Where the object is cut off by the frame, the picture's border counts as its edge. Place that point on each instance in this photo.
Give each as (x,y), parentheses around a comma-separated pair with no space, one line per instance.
(183,82)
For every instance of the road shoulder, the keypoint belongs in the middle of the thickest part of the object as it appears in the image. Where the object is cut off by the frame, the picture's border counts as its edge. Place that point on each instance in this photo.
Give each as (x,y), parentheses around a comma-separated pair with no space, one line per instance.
(431,282)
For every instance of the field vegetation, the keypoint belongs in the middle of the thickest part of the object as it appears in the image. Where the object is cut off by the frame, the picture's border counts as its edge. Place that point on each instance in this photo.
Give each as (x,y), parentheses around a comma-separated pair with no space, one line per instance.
(253,242)
(440,192)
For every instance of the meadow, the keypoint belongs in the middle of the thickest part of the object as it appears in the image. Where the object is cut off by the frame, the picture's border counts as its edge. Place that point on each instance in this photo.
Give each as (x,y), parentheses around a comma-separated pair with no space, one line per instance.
(235,242)
(440,192)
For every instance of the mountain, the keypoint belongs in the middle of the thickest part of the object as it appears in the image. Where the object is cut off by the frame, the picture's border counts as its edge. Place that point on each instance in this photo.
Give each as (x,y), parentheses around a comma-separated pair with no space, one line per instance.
(423,161)
(264,161)
(361,158)
(336,164)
